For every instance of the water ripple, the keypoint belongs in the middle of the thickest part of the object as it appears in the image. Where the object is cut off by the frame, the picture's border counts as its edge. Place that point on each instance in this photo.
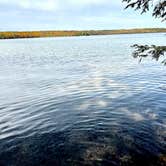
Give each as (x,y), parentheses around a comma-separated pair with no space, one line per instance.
(62,105)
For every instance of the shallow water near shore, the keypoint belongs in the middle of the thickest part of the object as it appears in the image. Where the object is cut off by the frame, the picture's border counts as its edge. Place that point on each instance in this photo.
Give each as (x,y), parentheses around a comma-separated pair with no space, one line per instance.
(81,101)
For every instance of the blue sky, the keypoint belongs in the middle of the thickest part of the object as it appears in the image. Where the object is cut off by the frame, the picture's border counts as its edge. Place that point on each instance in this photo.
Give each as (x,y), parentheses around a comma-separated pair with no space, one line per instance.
(71,15)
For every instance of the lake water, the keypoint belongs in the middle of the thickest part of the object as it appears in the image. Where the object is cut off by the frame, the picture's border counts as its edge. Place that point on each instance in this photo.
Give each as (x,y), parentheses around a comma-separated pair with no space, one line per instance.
(81,101)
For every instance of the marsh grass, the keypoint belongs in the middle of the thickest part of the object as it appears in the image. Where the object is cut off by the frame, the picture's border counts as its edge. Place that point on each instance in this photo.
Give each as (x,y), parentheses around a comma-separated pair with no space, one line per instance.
(38,34)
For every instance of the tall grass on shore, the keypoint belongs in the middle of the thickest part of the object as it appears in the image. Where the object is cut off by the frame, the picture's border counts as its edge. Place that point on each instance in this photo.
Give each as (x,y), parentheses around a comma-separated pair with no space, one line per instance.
(37,34)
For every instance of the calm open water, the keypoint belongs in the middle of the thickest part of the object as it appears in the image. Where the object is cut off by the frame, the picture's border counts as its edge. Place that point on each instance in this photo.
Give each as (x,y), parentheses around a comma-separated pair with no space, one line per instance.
(81,101)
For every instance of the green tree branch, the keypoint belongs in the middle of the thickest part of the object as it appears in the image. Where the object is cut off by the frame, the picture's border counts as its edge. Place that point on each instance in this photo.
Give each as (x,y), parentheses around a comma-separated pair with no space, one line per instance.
(154,51)
(158,11)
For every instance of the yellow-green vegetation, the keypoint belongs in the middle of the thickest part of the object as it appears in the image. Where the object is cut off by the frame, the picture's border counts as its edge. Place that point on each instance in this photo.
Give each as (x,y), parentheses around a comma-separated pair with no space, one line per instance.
(37,34)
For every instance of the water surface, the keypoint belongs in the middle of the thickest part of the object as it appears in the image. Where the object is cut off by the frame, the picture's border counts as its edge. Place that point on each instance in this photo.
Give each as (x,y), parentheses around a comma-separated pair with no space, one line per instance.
(81,101)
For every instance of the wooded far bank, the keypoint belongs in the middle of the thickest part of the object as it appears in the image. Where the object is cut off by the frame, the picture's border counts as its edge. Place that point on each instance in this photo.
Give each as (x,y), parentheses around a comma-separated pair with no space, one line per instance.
(37,34)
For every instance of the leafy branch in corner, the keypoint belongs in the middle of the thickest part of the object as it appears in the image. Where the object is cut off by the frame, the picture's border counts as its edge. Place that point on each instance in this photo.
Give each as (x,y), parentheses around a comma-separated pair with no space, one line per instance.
(158,11)
(154,51)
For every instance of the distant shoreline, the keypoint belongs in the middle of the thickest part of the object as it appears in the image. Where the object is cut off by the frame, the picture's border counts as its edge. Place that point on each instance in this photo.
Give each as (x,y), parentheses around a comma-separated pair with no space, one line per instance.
(41,34)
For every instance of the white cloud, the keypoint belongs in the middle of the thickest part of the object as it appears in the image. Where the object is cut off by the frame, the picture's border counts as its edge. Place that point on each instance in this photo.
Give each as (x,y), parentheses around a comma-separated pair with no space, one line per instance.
(71,14)
(31,4)
(87,2)
(52,5)
(41,5)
